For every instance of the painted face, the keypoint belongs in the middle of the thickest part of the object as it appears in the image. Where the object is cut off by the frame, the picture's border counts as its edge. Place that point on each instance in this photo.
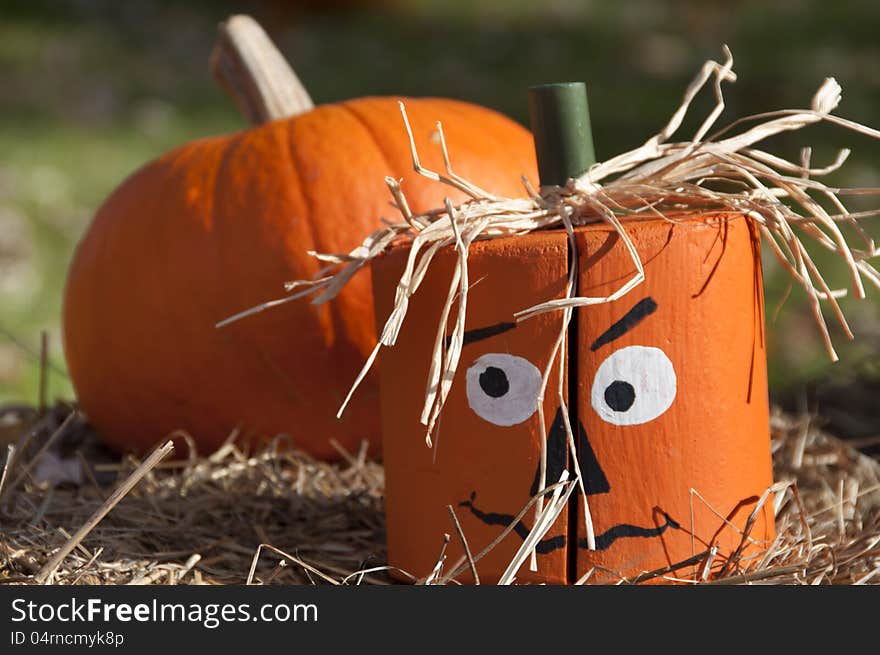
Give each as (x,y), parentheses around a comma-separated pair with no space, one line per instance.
(667,391)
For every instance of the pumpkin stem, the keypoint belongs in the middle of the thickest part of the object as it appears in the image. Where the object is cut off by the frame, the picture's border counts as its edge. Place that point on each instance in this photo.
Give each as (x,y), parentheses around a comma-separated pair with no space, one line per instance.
(560,118)
(255,74)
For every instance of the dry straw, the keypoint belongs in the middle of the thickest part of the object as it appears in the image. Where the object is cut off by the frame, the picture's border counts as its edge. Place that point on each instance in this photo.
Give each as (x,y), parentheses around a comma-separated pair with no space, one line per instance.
(275,516)
(722,171)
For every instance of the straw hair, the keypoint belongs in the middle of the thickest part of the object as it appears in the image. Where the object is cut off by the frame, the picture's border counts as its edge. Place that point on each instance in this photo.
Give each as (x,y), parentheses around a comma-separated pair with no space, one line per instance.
(723,173)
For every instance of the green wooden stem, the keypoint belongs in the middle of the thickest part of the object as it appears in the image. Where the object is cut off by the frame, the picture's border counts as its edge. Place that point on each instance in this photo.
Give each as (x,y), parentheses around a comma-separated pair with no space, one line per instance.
(560,118)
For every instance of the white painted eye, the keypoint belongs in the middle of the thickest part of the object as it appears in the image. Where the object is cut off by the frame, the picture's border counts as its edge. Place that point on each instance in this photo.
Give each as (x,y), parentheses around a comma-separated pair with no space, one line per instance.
(503,389)
(634,385)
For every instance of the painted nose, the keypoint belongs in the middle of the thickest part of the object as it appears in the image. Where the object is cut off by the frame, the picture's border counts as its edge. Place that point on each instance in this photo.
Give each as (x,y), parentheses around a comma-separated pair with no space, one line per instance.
(594,478)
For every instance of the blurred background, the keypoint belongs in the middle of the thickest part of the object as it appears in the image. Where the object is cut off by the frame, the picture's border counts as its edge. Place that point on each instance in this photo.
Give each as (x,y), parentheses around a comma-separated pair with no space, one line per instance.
(91,89)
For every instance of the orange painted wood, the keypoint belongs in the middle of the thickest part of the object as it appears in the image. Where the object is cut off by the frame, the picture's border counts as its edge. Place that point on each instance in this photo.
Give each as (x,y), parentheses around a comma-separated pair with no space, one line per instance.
(671,395)
(473,453)
(654,438)
(218,226)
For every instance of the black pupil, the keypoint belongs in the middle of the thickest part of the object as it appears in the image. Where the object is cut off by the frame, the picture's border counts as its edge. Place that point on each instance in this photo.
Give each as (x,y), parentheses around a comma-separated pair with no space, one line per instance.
(494,382)
(619,395)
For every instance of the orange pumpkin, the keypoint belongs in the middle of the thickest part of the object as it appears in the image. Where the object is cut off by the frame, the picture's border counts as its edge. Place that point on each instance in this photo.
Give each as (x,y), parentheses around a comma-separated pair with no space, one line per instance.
(671,396)
(217,226)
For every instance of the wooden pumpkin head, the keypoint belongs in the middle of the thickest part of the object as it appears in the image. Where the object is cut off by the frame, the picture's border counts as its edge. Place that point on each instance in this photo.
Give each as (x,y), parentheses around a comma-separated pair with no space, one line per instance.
(671,407)
(661,409)
(217,226)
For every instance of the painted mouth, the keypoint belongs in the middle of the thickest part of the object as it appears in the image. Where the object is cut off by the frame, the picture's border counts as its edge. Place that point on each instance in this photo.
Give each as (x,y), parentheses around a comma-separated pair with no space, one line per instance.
(595,482)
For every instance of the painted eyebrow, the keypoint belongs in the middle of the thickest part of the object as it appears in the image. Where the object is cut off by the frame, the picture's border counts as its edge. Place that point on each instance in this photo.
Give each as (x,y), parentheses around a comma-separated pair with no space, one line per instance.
(478,334)
(642,309)
(633,317)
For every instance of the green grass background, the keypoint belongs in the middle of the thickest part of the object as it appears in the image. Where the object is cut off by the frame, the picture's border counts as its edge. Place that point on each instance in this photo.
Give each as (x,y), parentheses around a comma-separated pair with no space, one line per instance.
(91,90)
